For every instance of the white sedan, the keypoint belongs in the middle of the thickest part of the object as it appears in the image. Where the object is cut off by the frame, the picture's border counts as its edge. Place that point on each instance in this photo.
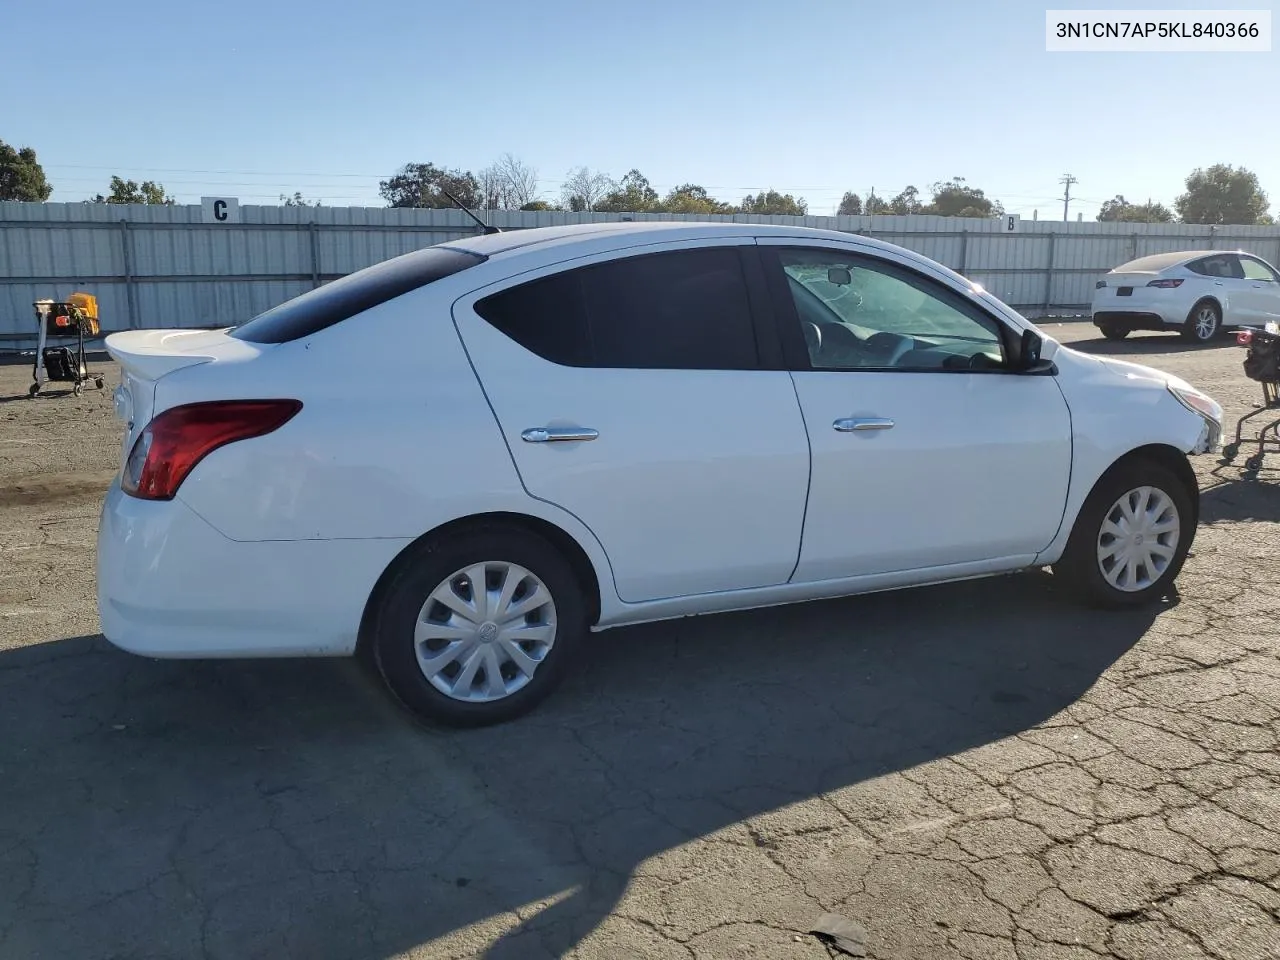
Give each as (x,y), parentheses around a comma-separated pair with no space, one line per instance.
(1198,293)
(464,461)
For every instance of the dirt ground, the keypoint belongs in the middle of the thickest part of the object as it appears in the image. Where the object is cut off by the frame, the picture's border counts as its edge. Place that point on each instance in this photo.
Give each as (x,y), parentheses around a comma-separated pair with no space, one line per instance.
(977,771)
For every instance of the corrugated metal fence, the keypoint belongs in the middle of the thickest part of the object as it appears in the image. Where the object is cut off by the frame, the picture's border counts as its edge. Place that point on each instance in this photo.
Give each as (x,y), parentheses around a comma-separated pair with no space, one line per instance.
(163,267)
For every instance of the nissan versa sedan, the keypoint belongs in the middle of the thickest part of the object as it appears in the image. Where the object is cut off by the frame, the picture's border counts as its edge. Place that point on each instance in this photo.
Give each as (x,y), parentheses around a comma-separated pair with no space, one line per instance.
(1198,294)
(463,461)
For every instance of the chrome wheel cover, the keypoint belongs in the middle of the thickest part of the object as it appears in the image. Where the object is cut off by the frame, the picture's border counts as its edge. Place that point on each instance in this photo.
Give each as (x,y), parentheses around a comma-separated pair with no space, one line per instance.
(484,631)
(1206,323)
(1138,539)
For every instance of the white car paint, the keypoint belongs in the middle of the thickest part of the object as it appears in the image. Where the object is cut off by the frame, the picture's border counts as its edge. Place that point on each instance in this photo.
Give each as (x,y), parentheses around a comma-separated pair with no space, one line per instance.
(707,491)
(1161,291)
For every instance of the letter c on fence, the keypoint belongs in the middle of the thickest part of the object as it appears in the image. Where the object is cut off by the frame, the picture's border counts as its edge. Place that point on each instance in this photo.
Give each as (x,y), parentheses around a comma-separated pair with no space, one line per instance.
(219,209)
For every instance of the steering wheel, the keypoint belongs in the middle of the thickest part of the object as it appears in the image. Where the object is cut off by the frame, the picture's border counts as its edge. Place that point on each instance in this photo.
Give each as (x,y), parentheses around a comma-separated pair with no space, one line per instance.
(813,338)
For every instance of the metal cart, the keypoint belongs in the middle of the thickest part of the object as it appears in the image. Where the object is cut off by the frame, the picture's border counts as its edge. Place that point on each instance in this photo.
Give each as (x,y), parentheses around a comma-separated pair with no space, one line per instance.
(1262,363)
(77,316)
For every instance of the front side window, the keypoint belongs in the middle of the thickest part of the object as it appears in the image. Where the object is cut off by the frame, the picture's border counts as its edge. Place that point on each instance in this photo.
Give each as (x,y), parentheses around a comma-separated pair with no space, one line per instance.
(679,310)
(1256,270)
(857,313)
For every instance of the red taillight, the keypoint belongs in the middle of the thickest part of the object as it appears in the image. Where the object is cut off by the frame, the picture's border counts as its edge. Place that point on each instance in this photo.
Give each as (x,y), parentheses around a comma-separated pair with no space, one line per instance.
(1165,284)
(174,442)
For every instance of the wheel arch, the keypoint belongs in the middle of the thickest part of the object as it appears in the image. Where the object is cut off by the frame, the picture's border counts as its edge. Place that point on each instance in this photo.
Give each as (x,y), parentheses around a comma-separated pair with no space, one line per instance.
(559,538)
(1216,301)
(1167,456)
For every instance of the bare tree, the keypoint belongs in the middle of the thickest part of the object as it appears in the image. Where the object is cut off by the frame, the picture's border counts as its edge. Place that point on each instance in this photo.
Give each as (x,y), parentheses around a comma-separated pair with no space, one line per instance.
(583,190)
(508,183)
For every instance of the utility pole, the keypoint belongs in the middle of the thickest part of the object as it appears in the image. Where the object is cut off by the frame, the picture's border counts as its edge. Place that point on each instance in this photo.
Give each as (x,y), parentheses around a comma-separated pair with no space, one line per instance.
(1067,180)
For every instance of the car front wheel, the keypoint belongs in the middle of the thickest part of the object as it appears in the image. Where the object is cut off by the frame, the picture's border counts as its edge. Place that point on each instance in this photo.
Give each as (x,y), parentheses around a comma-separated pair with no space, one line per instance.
(478,627)
(1131,537)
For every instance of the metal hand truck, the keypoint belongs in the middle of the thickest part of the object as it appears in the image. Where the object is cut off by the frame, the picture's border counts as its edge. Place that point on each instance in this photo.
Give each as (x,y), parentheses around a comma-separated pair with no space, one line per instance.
(1262,363)
(59,319)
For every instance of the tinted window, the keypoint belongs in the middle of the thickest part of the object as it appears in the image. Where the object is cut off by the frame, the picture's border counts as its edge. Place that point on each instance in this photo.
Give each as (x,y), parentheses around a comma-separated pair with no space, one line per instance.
(1256,270)
(856,313)
(354,293)
(1223,266)
(685,310)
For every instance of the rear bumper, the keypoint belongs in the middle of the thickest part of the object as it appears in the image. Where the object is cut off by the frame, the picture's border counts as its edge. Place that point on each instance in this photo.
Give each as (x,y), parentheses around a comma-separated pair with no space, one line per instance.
(171,586)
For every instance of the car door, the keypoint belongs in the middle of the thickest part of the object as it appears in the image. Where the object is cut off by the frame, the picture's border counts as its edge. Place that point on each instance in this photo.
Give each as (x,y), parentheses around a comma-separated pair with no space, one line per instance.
(632,392)
(927,452)
(1260,292)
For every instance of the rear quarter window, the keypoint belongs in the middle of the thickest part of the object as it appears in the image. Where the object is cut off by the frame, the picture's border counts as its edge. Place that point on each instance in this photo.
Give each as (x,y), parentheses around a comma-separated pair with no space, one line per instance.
(325,306)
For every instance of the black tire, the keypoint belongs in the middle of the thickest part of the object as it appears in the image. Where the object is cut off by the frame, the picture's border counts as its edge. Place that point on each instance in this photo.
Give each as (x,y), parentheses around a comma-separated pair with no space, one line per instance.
(1230,450)
(391,637)
(1114,331)
(1080,568)
(1254,462)
(1196,331)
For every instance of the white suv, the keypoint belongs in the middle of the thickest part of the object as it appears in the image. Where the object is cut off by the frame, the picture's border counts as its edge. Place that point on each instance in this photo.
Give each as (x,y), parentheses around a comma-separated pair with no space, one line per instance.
(464,460)
(1198,293)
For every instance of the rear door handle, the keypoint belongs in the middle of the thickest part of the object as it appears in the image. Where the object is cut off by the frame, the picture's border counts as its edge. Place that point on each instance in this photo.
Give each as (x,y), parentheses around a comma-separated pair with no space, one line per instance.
(857,424)
(557,434)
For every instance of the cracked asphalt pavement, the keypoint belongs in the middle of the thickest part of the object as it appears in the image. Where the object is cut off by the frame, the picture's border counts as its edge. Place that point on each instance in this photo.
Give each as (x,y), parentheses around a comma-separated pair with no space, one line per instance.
(976,771)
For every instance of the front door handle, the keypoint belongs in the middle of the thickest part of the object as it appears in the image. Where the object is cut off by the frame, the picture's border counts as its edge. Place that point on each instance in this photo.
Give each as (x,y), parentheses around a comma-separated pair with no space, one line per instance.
(557,434)
(856,424)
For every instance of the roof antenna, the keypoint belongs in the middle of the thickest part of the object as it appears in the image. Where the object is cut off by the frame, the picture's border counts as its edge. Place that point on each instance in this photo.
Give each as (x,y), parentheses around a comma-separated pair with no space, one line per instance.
(458,203)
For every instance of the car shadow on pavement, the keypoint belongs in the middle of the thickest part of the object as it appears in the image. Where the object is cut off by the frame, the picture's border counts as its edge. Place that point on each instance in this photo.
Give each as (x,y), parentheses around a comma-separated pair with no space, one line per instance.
(245,809)
(1146,345)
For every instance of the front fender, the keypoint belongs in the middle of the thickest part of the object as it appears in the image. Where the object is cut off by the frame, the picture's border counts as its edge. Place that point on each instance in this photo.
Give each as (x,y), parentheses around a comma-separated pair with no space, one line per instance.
(1116,408)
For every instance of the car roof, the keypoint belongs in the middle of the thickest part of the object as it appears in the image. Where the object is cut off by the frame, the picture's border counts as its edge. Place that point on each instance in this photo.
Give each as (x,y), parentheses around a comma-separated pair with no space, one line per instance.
(1162,261)
(627,232)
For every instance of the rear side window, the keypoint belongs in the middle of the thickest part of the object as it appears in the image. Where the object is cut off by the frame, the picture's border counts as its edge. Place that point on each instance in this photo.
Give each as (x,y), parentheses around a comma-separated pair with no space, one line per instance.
(354,293)
(1223,266)
(682,310)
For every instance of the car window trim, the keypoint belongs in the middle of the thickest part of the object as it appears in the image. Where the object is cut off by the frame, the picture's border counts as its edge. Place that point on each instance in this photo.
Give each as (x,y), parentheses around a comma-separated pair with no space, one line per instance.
(787,315)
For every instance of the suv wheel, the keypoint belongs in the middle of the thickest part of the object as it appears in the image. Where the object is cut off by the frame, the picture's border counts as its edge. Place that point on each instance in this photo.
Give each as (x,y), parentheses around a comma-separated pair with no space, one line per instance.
(1131,537)
(1114,331)
(479,627)
(1203,323)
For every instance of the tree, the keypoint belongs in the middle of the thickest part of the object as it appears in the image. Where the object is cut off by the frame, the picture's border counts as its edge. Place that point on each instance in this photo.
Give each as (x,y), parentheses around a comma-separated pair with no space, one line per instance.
(876,206)
(539,205)
(1222,194)
(583,189)
(850,205)
(775,204)
(907,202)
(508,184)
(297,200)
(691,198)
(21,176)
(955,198)
(130,191)
(632,195)
(1121,210)
(423,185)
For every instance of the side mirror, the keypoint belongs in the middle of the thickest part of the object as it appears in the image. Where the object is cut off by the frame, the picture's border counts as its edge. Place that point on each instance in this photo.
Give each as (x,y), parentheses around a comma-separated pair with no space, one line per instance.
(1028,360)
(1029,349)
(840,276)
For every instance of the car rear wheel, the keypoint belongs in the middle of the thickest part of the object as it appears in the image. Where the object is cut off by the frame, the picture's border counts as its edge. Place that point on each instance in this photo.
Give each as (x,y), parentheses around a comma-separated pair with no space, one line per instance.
(1204,322)
(1114,331)
(1130,538)
(479,627)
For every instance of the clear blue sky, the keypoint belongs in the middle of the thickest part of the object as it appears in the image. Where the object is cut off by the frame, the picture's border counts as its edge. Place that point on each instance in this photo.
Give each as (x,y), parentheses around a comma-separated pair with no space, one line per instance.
(813,98)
